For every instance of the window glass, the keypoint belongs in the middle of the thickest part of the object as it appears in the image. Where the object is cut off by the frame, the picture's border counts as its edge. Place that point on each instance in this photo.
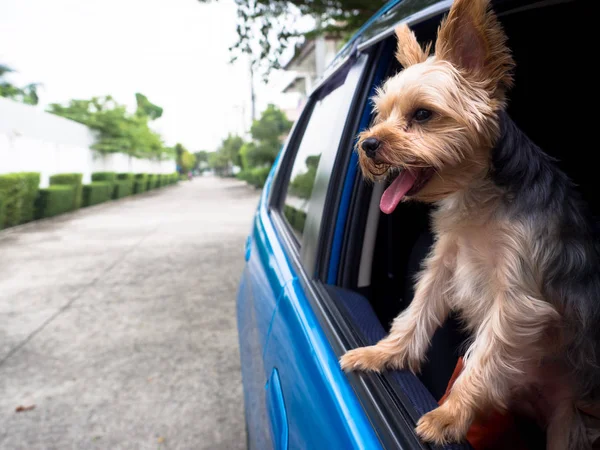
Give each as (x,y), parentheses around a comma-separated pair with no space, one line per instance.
(322,135)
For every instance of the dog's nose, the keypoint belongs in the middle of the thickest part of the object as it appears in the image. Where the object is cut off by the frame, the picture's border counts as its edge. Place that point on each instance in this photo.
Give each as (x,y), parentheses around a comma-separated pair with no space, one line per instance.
(370,146)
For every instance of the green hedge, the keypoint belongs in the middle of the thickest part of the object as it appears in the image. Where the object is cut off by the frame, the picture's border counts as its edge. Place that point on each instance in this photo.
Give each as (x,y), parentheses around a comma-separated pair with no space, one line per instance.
(109,177)
(13,190)
(97,192)
(150,183)
(157,180)
(1,213)
(122,189)
(71,179)
(256,177)
(140,183)
(54,200)
(32,185)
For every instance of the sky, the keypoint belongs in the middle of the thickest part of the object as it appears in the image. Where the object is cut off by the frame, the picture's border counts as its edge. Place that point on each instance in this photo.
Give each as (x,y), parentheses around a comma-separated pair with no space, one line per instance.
(173,51)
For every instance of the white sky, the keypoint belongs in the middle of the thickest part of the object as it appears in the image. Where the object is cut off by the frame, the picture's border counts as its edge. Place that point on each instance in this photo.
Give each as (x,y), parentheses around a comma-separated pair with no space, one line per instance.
(173,51)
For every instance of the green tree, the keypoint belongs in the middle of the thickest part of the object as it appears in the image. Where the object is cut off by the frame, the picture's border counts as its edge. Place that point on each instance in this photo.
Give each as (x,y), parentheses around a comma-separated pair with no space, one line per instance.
(146,108)
(201,159)
(119,130)
(230,147)
(266,28)
(219,162)
(302,184)
(26,94)
(267,133)
(188,161)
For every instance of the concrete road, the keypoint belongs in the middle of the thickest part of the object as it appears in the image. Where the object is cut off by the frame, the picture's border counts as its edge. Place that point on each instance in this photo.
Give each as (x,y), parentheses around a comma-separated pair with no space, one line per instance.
(118,323)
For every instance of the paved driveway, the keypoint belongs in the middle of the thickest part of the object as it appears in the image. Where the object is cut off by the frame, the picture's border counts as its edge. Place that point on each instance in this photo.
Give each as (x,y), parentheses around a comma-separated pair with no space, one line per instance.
(118,323)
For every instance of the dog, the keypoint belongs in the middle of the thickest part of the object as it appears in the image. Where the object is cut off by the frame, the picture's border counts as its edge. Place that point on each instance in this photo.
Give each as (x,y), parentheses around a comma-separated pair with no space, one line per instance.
(516,253)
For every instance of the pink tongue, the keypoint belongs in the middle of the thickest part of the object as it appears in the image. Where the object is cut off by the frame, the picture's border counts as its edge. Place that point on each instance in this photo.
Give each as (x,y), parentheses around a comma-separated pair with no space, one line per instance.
(398,189)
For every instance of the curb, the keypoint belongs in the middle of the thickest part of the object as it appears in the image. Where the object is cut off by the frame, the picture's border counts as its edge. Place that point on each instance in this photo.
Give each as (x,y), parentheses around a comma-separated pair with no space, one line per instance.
(25,226)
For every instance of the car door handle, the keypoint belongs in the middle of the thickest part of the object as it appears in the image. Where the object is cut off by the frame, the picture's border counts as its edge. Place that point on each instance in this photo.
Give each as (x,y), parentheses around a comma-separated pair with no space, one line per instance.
(276,411)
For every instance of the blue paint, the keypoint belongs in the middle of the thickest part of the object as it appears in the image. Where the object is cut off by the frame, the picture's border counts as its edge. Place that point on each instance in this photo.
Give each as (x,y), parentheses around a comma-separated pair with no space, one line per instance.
(277,413)
(321,406)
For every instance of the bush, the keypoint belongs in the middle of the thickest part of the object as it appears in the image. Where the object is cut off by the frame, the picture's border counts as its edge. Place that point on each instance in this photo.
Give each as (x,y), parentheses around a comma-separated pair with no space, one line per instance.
(32,185)
(97,192)
(1,213)
(109,177)
(174,178)
(54,200)
(70,179)
(157,180)
(140,183)
(13,190)
(122,188)
(256,176)
(150,183)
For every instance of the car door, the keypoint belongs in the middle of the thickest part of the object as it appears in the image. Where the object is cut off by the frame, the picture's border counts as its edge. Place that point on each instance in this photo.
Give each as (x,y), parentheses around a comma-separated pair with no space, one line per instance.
(309,400)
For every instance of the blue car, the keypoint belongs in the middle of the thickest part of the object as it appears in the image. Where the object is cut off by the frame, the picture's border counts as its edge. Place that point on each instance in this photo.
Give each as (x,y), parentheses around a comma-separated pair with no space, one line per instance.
(326,271)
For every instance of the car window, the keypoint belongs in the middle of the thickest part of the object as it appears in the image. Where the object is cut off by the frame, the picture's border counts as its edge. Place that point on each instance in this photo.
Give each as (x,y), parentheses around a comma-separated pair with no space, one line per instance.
(321,138)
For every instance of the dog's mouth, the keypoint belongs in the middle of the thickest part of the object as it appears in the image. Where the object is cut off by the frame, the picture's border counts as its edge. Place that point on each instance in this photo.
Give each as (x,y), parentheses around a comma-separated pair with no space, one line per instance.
(407,182)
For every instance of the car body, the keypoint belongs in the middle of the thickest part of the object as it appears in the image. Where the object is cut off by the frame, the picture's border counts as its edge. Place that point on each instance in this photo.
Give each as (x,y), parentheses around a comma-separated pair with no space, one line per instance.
(320,277)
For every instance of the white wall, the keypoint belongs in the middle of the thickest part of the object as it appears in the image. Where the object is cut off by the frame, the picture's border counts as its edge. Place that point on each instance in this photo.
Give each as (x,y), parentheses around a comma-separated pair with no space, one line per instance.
(32,140)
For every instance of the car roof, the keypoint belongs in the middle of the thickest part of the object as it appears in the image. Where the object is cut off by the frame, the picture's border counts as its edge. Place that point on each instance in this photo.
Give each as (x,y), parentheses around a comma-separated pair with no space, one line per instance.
(382,25)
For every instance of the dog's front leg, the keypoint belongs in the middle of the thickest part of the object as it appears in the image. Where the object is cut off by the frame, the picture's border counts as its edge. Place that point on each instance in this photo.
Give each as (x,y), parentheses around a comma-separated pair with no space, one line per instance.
(411,332)
(508,339)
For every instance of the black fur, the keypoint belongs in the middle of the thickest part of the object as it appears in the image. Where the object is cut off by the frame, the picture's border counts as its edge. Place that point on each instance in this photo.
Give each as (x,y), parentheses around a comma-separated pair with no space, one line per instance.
(539,193)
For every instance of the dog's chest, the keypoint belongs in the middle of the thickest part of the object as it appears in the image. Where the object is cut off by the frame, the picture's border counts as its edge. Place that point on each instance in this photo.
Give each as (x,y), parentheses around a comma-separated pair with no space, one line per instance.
(473,263)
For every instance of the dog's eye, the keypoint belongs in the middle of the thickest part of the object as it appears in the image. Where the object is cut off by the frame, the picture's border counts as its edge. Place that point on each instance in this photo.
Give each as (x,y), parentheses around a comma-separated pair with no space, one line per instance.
(422,115)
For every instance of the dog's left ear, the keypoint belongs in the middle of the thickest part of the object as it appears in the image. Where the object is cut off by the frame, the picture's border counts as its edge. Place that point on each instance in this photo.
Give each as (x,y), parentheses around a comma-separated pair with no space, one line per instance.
(472,39)
(408,50)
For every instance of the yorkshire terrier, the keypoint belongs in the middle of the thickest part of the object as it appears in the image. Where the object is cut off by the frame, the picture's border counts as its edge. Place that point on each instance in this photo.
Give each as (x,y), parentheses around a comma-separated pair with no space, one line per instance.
(515,253)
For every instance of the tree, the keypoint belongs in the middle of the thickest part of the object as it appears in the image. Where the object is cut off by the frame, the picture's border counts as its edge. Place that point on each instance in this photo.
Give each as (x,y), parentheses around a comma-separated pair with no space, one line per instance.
(302,184)
(219,162)
(230,147)
(146,108)
(119,130)
(188,161)
(267,133)
(201,160)
(266,28)
(27,94)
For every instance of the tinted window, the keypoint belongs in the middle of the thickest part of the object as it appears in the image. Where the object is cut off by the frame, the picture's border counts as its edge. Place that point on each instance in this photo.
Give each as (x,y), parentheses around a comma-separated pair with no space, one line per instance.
(322,135)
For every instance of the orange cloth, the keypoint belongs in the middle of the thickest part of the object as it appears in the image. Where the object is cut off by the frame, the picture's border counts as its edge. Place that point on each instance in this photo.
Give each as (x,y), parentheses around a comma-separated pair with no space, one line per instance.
(496,431)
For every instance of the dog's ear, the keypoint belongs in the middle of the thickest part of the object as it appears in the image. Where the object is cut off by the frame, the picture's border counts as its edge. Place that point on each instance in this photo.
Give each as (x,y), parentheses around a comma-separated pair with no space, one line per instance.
(408,51)
(472,39)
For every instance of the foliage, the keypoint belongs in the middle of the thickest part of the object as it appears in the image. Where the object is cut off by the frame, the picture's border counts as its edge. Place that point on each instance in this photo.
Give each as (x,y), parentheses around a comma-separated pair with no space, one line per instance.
(150,181)
(146,108)
(32,184)
(122,188)
(72,179)
(302,184)
(97,192)
(109,177)
(230,147)
(219,162)
(256,176)
(54,200)
(267,133)
(119,131)
(26,94)
(295,217)
(1,212)
(266,28)
(188,161)
(140,183)
(201,160)
(13,190)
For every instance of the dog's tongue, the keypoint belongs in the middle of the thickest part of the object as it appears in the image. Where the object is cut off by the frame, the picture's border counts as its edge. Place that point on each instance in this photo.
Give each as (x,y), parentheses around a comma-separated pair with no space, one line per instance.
(394,193)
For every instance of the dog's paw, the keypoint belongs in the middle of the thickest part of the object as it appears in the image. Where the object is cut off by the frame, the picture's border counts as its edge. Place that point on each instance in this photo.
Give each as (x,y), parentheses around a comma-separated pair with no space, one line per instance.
(364,358)
(444,424)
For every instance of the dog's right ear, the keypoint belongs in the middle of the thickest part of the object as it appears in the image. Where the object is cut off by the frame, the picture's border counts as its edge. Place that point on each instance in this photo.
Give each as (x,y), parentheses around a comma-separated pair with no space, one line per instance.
(408,51)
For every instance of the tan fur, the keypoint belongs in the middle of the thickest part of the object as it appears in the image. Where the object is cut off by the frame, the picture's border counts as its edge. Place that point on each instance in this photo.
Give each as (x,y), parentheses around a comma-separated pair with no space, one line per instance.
(481,264)
(409,51)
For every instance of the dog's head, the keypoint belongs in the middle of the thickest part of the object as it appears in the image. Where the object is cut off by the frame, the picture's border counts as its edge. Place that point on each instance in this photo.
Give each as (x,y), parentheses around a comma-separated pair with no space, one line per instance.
(437,119)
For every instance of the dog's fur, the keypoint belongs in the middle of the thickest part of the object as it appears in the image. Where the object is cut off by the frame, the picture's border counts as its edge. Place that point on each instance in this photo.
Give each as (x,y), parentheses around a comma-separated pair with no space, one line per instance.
(515,251)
